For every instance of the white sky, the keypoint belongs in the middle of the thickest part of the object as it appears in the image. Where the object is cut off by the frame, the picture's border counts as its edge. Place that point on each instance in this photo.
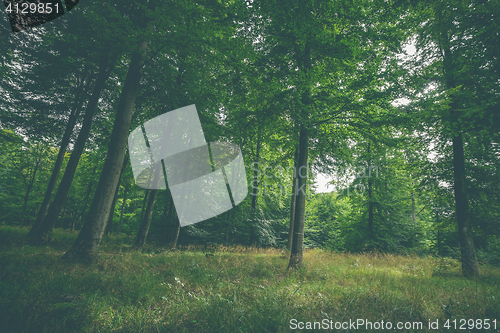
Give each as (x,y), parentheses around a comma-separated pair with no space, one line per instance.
(321,181)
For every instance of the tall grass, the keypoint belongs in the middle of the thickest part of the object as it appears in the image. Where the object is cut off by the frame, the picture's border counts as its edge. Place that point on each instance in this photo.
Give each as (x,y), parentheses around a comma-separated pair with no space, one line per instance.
(236,289)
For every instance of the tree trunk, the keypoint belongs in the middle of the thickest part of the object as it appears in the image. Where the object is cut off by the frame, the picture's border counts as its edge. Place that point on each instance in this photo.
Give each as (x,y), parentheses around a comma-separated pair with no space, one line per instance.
(122,209)
(227,227)
(300,203)
(175,235)
(296,254)
(414,216)
(413,208)
(371,232)
(28,190)
(171,224)
(294,196)
(438,233)
(255,187)
(142,233)
(109,223)
(144,202)
(87,244)
(44,232)
(115,198)
(470,265)
(42,211)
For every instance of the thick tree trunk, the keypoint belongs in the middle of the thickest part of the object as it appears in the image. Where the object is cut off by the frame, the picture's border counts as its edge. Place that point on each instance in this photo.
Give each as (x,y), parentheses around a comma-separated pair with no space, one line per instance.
(44,232)
(89,239)
(142,234)
(42,211)
(300,203)
(296,254)
(28,190)
(294,196)
(470,265)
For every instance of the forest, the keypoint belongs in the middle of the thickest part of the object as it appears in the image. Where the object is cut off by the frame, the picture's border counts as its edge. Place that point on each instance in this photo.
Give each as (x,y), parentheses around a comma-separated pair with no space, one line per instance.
(396,103)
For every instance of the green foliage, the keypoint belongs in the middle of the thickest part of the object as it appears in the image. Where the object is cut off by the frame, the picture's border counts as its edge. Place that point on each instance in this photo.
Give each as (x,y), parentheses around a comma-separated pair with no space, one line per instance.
(18,162)
(326,219)
(252,68)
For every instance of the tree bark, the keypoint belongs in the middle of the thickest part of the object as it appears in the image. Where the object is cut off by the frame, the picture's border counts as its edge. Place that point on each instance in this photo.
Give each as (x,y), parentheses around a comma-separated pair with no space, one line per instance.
(109,223)
(470,265)
(300,203)
(371,232)
(43,233)
(294,196)
(296,254)
(42,211)
(86,246)
(115,198)
(142,233)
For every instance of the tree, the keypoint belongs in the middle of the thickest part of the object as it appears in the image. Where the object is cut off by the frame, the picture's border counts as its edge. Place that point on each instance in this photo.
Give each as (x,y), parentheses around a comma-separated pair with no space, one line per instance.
(460,39)
(42,232)
(42,211)
(318,48)
(142,234)
(26,161)
(87,244)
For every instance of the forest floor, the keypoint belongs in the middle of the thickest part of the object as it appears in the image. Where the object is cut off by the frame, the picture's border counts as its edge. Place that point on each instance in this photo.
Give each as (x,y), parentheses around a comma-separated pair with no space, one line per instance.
(236,289)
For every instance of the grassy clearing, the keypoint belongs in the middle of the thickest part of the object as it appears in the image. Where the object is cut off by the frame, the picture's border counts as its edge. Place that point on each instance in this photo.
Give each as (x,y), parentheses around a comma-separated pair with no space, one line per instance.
(237,289)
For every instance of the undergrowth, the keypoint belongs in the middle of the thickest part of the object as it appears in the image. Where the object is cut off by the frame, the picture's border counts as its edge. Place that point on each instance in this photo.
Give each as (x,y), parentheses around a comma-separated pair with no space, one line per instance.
(232,289)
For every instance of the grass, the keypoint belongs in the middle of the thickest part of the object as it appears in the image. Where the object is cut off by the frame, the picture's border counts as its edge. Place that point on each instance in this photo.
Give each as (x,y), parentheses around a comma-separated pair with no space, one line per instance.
(237,289)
